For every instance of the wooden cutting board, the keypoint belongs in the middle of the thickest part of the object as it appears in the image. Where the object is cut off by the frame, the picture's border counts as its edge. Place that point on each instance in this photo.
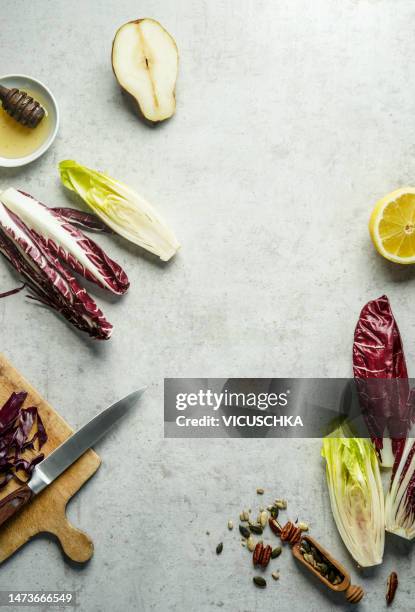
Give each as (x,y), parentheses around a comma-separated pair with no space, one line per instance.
(47,511)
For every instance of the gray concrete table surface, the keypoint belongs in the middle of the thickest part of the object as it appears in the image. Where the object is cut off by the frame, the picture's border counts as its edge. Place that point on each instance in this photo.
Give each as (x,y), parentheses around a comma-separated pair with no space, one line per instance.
(293,118)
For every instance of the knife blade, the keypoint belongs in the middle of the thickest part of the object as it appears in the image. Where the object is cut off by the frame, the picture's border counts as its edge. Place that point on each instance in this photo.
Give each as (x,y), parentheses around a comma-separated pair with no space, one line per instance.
(66,454)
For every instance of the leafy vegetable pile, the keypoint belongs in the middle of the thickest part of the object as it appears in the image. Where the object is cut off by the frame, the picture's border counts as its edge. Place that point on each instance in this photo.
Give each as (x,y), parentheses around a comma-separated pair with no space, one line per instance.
(43,246)
(353,473)
(16,425)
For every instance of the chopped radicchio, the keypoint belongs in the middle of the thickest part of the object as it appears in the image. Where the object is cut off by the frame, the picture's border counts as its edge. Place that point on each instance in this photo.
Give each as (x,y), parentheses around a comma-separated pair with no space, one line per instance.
(16,425)
(381,376)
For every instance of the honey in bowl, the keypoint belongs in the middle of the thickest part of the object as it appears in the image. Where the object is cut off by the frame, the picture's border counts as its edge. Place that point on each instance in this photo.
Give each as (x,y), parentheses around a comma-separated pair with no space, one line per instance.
(17,140)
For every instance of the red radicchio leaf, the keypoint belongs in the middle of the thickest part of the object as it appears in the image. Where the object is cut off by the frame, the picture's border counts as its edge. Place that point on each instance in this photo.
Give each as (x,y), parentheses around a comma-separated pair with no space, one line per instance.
(84,255)
(12,291)
(86,220)
(378,354)
(47,278)
(16,424)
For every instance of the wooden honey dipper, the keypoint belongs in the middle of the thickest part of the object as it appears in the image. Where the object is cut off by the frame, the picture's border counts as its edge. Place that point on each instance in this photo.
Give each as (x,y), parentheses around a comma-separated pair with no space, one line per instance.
(22,107)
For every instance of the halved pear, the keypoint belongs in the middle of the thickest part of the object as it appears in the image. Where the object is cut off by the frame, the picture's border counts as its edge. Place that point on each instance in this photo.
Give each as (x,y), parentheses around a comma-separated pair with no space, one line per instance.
(145,62)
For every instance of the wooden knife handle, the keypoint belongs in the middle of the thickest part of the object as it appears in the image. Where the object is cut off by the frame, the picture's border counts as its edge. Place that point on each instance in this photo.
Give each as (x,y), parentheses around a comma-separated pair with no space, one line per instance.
(13,502)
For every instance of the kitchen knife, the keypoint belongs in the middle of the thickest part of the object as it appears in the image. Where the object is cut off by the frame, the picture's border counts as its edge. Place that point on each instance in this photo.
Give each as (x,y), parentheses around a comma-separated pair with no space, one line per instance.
(64,455)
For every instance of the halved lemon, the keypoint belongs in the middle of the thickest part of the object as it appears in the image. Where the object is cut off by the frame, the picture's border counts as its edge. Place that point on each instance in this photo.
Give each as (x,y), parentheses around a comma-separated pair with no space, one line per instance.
(392,226)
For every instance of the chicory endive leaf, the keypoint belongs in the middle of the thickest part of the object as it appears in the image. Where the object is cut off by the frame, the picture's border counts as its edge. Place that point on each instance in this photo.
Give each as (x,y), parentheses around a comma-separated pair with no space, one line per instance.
(400,498)
(121,208)
(356,494)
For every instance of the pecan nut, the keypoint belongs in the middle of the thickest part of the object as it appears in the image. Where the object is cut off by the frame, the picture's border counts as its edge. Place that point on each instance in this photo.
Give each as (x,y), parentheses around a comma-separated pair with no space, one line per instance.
(391,587)
(291,533)
(262,554)
(257,553)
(275,526)
(265,556)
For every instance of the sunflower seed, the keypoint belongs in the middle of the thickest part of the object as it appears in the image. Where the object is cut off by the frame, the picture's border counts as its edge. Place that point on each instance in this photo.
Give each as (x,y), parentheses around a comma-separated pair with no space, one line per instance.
(263,518)
(281,504)
(250,543)
(309,558)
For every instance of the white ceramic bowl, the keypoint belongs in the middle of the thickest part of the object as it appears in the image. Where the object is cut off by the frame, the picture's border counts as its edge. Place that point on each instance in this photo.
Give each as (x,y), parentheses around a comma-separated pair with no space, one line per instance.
(24,82)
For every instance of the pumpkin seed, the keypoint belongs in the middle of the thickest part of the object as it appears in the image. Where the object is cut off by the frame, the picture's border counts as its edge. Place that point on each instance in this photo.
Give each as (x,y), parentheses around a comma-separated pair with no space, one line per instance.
(323,568)
(305,546)
(276,552)
(219,548)
(274,511)
(244,531)
(260,581)
(317,556)
(256,528)
(332,576)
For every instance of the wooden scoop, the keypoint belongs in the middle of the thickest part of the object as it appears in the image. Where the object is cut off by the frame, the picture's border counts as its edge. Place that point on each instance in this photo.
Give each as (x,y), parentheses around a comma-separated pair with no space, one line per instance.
(22,107)
(352,592)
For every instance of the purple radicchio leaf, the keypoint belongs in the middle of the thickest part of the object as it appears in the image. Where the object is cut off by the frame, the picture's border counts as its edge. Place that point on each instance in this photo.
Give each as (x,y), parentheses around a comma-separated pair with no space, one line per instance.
(47,278)
(12,291)
(82,254)
(86,220)
(379,368)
